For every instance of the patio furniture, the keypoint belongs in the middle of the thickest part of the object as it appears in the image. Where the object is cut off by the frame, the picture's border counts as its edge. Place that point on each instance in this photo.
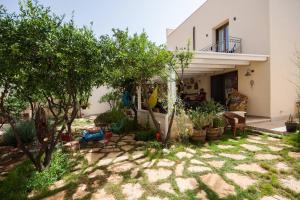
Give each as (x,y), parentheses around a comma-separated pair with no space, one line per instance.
(237,102)
(235,121)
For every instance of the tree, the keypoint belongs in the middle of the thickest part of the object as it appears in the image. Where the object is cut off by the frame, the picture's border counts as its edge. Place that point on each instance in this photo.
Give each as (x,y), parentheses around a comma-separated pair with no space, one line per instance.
(49,65)
(132,61)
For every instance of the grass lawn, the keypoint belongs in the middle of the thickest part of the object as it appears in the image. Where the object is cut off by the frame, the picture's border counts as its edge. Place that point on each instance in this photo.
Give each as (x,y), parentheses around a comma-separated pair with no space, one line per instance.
(247,167)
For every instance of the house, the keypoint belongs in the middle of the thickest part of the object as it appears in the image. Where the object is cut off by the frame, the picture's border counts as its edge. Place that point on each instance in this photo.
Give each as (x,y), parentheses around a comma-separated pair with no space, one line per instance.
(244,45)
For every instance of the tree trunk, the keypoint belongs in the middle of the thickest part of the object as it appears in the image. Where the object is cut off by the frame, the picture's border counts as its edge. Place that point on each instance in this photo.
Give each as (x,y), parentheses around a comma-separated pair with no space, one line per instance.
(170,127)
(156,124)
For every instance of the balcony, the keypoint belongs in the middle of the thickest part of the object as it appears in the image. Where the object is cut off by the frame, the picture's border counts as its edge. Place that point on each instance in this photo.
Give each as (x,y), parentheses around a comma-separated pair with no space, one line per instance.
(231,45)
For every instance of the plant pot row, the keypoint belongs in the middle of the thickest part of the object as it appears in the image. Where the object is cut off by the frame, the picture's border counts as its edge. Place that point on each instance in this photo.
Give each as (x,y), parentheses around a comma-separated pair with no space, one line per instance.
(207,134)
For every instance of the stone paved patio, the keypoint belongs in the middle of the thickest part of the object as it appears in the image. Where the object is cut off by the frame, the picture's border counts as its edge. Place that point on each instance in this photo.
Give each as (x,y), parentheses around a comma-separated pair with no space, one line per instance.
(128,171)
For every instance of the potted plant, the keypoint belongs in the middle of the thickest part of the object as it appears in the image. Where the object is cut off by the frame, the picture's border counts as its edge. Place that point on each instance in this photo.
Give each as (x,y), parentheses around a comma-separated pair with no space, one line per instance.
(200,122)
(184,126)
(217,128)
(291,125)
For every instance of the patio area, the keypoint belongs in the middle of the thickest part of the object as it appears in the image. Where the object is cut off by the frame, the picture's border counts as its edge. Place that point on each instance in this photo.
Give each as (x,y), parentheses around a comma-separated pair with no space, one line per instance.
(246,167)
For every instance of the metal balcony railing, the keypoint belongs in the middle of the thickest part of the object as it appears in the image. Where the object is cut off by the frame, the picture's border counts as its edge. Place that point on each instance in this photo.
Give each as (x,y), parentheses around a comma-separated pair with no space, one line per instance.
(233,45)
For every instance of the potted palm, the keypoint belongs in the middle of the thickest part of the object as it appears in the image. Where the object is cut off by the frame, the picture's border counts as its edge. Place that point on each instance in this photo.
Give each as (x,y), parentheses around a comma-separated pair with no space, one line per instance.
(217,128)
(291,125)
(200,122)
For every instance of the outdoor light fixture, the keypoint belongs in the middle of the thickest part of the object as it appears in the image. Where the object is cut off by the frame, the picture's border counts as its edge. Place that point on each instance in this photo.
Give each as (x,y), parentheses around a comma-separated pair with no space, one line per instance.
(249,72)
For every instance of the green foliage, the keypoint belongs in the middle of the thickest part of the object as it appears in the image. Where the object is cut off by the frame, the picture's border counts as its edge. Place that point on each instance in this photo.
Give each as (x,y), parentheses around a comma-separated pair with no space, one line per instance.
(26,130)
(145,135)
(210,107)
(130,125)
(218,122)
(112,116)
(200,119)
(293,139)
(58,167)
(112,98)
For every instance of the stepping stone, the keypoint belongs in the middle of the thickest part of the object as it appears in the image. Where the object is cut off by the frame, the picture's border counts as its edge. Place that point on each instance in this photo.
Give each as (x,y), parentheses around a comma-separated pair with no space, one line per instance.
(127,147)
(202,195)
(216,163)
(185,184)
(57,196)
(132,191)
(291,183)
(240,180)
(256,141)
(137,154)
(179,169)
(121,158)
(122,143)
(233,156)
(205,150)
(207,156)
(275,197)
(101,194)
(266,157)
(250,147)
(276,149)
(192,151)
(182,155)
(197,162)
(121,167)
(104,162)
(93,157)
(140,143)
(294,155)
(166,187)
(143,160)
(273,139)
(115,179)
(221,146)
(113,154)
(58,184)
(199,169)
(216,183)
(165,163)
(156,198)
(155,175)
(110,150)
(254,137)
(96,173)
(128,137)
(281,166)
(80,192)
(149,164)
(250,168)
(134,173)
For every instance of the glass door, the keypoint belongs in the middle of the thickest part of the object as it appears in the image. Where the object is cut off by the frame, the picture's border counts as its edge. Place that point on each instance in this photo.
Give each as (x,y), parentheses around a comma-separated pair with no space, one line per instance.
(222,36)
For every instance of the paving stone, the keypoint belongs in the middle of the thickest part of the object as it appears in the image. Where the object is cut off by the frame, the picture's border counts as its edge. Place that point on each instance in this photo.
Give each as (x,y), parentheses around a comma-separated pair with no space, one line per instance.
(128,137)
(93,157)
(182,155)
(207,156)
(121,158)
(88,170)
(254,137)
(179,169)
(233,156)
(205,150)
(132,191)
(256,141)
(113,154)
(57,196)
(192,151)
(216,163)
(127,147)
(165,163)
(101,194)
(104,162)
(266,157)
(275,197)
(149,163)
(294,154)
(198,169)
(80,192)
(281,166)
(251,147)
(240,180)
(276,149)
(142,160)
(110,150)
(121,167)
(96,173)
(121,143)
(185,184)
(221,146)
(197,162)
(216,183)
(273,139)
(156,198)
(137,155)
(157,174)
(115,179)
(140,143)
(291,183)
(202,195)
(167,187)
(253,167)
(57,185)
(134,173)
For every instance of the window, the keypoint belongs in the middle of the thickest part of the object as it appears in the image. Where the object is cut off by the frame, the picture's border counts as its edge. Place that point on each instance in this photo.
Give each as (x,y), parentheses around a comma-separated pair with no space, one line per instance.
(194,38)
(222,36)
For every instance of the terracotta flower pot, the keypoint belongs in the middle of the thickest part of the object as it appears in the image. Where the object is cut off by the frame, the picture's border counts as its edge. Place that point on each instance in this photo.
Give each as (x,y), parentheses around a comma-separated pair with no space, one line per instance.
(199,135)
(213,133)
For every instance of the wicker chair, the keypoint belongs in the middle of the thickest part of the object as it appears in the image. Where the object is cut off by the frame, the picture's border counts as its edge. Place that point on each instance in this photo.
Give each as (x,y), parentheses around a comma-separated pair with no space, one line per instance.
(235,121)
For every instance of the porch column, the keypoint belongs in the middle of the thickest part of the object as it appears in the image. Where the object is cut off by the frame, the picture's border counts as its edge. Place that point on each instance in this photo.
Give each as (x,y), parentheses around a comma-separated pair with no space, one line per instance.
(171,89)
(139,97)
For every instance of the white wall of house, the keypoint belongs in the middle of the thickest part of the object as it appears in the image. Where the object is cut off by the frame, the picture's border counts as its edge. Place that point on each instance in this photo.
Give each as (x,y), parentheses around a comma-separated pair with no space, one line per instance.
(96,107)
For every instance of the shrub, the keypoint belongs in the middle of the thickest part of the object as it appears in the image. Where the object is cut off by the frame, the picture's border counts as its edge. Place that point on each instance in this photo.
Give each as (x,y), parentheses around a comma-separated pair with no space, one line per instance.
(130,125)
(218,122)
(200,119)
(210,107)
(58,167)
(26,131)
(109,117)
(145,135)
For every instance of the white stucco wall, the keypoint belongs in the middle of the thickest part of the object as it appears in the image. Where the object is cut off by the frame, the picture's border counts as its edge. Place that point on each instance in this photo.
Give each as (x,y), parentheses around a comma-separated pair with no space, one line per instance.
(284,40)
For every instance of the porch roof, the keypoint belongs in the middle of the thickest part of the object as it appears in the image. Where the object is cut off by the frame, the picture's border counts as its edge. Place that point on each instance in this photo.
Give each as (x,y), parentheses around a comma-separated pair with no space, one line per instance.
(210,62)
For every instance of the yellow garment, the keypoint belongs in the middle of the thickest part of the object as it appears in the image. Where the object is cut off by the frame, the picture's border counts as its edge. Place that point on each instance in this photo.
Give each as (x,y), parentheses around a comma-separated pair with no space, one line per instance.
(152,101)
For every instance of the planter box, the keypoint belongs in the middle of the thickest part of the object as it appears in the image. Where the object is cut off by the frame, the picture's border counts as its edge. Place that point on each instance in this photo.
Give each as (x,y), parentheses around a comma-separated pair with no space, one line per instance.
(213,133)
(199,135)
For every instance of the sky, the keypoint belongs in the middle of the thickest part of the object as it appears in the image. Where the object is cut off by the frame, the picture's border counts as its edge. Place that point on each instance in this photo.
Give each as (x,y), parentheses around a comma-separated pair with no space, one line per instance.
(152,16)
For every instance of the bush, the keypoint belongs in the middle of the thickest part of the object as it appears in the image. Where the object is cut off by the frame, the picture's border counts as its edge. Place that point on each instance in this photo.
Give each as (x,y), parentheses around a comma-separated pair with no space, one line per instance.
(58,167)
(27,132)
(145,135)
(210,107)
(130,125)
(109,117)
(218,122)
